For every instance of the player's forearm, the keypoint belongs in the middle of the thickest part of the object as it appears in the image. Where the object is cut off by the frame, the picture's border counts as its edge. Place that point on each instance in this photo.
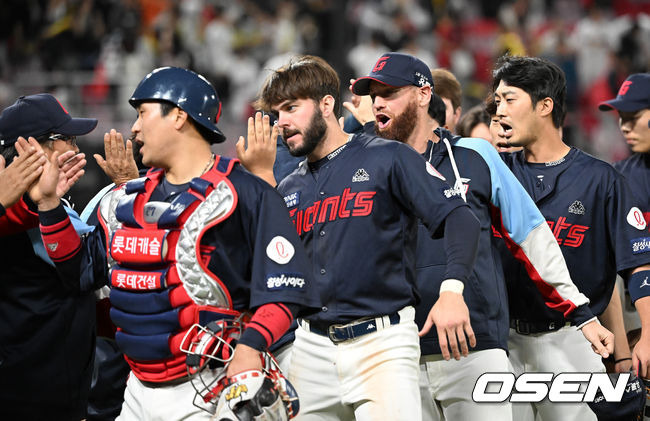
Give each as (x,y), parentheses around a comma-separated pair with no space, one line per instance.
(62,244)
(267,325)
(461,236)
(612,319)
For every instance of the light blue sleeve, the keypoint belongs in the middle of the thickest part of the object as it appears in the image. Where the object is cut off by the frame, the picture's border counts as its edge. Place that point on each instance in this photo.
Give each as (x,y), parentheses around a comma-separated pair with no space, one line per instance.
(534,243)
(518,211)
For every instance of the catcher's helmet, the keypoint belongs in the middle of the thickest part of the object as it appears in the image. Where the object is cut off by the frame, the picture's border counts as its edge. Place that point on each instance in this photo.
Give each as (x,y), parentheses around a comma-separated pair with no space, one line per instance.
(187,90)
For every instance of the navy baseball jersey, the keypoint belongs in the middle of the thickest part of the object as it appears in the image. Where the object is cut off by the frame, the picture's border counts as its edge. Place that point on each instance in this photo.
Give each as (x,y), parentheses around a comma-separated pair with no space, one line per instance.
(497,199)
(636,170)
(595,220)
(356,212)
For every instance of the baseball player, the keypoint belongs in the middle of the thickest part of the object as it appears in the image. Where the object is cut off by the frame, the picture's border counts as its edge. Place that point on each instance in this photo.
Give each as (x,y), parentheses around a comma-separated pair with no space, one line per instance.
(474,169)
(633,107)
(592,214)
(46,323)
(355,201)
(197,240)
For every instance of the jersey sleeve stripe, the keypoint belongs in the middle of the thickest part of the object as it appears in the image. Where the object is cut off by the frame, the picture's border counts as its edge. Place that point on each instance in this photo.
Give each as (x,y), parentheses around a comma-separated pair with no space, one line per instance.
(540,252)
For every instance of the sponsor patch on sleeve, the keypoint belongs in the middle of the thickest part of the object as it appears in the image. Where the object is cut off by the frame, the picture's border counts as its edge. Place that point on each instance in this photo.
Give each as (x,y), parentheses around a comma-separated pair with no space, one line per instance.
(280,250)
(636,219)
(434,172)
(640,245)
(292,199)
(450,192)
(276,281)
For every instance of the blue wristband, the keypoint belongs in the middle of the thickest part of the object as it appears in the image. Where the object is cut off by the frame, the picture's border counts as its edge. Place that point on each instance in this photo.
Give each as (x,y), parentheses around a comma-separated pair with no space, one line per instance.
(639,285)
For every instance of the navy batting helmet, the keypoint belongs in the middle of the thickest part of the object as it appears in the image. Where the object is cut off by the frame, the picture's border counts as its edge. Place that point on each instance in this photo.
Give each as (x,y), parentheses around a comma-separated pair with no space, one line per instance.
(187,90)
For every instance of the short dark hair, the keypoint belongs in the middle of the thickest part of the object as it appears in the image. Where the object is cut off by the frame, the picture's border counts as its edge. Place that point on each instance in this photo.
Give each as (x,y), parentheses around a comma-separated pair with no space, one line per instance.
(437,109)
(304,77)
(538,77)
(472,118)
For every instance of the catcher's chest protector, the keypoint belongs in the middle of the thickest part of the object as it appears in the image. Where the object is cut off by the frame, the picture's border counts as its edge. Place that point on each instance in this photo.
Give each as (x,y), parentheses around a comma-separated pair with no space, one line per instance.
(160,284)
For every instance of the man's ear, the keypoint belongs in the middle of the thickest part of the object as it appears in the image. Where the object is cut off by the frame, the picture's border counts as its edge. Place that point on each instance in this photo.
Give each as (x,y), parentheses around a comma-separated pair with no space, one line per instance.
(424,95)
(545,106)
(326,105)
(180,117)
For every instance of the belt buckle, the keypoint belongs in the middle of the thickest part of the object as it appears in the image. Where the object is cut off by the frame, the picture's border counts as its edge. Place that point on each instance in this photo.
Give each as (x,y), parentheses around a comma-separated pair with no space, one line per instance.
(332,334)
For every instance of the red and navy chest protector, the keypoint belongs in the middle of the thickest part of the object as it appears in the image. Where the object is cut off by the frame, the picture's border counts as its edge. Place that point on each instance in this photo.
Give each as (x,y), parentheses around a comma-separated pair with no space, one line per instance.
(160,284)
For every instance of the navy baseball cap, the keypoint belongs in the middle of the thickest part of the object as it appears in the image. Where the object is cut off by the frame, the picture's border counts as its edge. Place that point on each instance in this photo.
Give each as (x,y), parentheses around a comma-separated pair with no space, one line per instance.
(395,69)
(36,115)
(634,95)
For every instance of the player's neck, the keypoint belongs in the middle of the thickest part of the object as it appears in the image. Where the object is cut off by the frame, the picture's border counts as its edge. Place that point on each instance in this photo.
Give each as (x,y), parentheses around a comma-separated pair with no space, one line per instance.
(422,133)
(334,138)
(191,161)
(547,147)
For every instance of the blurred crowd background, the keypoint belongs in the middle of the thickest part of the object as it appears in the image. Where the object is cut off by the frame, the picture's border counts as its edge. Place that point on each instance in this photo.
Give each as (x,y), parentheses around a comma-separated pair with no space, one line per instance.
(92,53)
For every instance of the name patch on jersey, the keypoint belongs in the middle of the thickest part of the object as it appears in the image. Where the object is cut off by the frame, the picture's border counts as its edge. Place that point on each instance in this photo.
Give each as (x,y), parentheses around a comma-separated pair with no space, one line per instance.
(280,250)
(432,171)
(640,245)
(636,219)
(292,199)
(284,281)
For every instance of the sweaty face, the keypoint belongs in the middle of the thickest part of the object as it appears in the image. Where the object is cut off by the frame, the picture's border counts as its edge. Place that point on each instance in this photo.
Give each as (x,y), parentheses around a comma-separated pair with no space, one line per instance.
(516,115)
(395,111)
(301,140)
(635,128)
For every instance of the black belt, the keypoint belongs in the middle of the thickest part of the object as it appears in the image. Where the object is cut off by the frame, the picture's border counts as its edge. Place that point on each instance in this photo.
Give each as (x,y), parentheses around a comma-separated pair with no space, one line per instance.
(528,328)
(343,332)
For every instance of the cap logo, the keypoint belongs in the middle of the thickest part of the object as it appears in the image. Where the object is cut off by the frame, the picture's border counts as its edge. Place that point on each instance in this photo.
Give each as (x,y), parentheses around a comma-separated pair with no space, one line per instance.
(380,64)
(62,107)
(624,87)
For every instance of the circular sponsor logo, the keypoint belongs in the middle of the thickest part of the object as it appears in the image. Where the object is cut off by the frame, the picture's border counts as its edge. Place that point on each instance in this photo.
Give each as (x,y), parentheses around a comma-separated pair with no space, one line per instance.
(432,171)
(280,250)
(636,219)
